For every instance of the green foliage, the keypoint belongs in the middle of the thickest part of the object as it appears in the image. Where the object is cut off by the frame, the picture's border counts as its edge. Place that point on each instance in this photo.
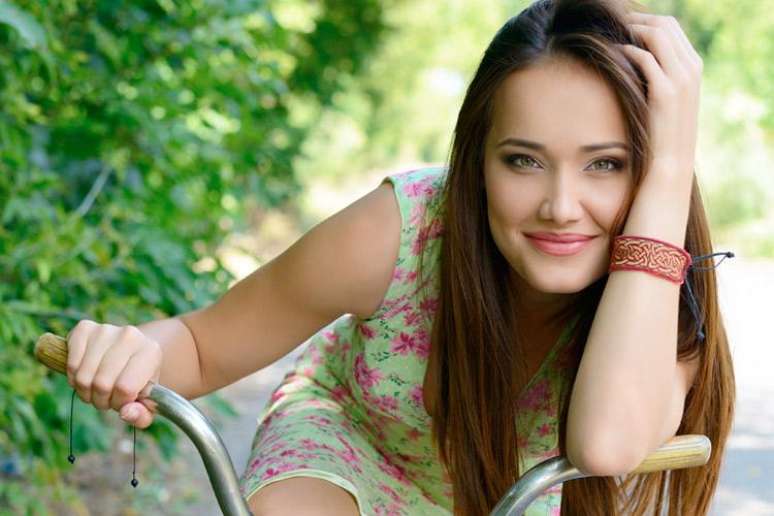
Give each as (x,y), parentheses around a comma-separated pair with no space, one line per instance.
(132,135)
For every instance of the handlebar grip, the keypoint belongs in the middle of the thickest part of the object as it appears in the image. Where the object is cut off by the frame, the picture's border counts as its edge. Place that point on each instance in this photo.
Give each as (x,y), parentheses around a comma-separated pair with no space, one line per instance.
(51,351)
(682,451)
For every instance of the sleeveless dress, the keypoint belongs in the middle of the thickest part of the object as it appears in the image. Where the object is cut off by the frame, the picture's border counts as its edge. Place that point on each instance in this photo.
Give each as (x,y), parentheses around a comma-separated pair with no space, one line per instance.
(351,411)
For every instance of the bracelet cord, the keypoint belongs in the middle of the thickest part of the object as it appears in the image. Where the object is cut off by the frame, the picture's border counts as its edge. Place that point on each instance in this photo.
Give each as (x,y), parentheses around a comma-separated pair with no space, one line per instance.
(666,261)
(71,457)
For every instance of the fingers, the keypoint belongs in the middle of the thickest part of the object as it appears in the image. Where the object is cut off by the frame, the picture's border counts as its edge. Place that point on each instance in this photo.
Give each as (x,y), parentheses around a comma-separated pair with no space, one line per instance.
(683,47)
(127,386)
(77,340)
(98,342)
(660,42)
(113,362)
(648,64)
(680,66)
(136,414)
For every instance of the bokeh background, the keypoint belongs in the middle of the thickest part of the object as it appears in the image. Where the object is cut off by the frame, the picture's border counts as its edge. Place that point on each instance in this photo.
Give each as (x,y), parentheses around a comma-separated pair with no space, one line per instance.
(154,152)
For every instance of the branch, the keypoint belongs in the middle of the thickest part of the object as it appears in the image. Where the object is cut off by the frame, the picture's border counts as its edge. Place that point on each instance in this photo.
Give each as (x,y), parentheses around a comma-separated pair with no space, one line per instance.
(96,188)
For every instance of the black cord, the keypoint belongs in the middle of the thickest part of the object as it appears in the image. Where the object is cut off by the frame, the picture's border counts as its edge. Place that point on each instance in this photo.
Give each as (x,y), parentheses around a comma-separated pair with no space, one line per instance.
(71,457)
(692,303)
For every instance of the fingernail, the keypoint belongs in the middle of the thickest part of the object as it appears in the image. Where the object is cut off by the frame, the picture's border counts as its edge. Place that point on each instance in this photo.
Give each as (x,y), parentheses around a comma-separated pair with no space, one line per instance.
(130,414)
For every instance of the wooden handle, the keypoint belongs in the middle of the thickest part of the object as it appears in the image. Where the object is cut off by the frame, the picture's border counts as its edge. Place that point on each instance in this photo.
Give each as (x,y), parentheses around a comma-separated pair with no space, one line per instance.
(51,351)
(682,451)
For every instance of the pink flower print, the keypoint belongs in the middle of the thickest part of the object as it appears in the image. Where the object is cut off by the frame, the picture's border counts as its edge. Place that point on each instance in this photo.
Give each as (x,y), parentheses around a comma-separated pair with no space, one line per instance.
(556,511)
(544,430)
(413,189)
(331,336)
(396,472)
(277,395)
(417,214)
(348,454)
(537,396)
(323,421)
(280,468)
(340,393)
(426,233)
(403,344)
(419,242)
(429,305)
(384,488)
(436,229)
(309,444)
(522,442)
(387,403)
(315,354)
(422,340)
(394,510)
(417,395)
(411,318)
(365,376)
(398,274)
(366,331)
(411,277)
(414,434)
(396,306)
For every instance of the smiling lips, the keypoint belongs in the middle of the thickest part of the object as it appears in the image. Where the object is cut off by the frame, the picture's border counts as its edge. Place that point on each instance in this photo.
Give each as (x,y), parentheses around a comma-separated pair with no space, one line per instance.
(559,244)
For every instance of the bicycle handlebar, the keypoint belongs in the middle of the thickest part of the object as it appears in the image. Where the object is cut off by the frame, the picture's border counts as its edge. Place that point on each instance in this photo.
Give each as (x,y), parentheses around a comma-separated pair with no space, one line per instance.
(51,350)
(684,451)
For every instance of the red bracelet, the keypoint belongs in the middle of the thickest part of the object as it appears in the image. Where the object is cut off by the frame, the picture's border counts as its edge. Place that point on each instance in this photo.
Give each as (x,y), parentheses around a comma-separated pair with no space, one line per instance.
(662,259)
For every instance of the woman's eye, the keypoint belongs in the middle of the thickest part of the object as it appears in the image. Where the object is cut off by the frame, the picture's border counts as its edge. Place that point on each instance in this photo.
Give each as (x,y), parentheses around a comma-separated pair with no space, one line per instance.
(521,161)
(608,164)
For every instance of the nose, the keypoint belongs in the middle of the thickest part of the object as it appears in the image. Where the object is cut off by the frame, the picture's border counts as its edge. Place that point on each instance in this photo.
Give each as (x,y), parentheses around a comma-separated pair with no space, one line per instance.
(561,204)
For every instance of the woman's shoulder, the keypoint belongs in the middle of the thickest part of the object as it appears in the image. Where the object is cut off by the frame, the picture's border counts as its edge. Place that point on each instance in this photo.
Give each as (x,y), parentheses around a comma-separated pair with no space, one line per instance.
(418,192)
(418,183)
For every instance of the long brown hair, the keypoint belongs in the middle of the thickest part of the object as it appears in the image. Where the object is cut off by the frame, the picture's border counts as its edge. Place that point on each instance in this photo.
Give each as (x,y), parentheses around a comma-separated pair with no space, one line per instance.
(476,361)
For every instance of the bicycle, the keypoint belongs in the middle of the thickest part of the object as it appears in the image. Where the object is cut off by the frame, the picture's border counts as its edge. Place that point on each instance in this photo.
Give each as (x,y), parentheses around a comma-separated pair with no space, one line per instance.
(682,451)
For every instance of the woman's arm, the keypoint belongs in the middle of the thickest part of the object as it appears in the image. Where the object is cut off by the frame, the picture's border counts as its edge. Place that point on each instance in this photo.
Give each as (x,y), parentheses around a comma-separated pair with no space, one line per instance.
(630,390)
(343,265)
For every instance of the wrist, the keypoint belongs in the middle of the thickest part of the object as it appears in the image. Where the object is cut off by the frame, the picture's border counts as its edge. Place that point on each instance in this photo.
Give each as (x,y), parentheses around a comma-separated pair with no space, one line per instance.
(660,210)
(656,257)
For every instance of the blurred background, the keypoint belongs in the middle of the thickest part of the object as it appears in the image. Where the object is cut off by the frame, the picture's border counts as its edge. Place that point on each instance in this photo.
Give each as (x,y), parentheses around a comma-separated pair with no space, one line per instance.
(152,153)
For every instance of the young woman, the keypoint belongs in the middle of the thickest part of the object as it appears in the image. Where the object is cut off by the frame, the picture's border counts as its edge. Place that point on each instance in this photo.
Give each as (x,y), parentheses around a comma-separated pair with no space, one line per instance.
(467,322)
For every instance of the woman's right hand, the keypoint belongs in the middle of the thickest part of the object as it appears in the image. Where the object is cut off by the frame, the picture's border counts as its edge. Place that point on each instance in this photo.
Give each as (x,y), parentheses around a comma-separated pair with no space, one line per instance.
(110,366)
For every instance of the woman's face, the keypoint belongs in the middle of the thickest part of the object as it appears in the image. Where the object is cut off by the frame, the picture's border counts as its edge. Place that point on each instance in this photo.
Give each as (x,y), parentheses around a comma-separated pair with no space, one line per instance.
(556,163)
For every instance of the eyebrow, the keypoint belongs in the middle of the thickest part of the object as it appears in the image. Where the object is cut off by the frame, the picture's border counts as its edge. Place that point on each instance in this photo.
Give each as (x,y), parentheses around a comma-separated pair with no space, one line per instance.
(540,147)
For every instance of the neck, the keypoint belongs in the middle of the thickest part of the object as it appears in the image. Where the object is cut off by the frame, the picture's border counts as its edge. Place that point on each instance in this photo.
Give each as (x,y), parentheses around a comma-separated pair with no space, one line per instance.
(536,309)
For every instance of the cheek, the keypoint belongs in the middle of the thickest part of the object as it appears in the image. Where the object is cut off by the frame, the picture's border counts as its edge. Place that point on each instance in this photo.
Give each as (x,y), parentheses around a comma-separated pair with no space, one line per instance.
(607,203)
(509,201)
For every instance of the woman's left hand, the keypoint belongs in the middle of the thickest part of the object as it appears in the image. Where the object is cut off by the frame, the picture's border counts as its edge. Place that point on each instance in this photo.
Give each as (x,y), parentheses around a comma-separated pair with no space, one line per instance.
(673,70)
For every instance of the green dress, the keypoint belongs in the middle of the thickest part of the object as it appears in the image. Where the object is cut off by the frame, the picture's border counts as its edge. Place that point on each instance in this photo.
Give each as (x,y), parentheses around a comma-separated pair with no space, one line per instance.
(352,412)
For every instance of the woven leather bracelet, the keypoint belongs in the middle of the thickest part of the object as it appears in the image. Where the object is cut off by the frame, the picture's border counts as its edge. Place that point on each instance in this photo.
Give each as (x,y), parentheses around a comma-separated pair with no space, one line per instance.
(656,257)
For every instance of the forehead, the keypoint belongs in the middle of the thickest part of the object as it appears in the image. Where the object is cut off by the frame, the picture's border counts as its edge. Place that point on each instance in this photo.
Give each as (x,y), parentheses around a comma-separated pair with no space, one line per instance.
(558,102)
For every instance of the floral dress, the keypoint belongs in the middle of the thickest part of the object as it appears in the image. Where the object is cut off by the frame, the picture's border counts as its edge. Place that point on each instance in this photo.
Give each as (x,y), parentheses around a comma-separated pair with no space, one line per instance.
(351,411)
